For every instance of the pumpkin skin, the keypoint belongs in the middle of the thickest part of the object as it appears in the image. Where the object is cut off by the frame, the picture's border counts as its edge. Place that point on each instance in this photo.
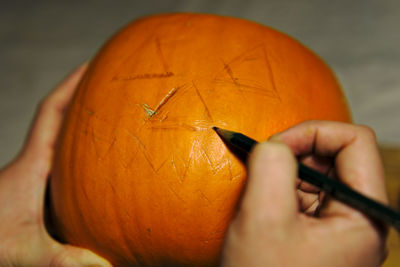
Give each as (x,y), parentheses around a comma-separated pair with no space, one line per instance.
(139,176)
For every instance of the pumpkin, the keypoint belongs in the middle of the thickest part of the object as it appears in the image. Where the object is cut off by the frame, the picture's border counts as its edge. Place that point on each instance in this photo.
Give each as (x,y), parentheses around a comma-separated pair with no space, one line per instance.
(139,175)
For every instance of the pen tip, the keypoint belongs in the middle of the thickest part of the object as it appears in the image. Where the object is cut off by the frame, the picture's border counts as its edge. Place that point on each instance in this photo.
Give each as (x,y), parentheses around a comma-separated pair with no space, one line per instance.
(225,134)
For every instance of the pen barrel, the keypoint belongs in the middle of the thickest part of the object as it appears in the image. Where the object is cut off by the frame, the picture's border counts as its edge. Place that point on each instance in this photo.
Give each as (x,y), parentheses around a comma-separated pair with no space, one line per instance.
(335,188)
(350,197)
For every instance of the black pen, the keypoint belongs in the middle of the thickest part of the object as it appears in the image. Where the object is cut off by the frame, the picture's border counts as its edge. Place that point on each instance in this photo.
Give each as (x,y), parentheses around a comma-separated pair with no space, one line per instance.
(332,187)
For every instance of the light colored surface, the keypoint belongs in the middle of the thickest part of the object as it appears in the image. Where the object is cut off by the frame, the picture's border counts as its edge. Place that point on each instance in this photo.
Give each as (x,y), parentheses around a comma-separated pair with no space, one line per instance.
(391,159)
(40,41)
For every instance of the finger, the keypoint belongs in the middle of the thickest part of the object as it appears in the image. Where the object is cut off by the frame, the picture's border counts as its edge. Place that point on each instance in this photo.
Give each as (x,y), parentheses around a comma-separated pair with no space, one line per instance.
(31,245)
(57,254)
(322,138)
(270,194)
(308,202)
(67,255)
(318,163)
(357,161)
(44,130)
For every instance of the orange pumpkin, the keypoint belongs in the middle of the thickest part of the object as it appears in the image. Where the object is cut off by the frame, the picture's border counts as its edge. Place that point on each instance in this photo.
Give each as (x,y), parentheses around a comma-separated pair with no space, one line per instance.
(139,175)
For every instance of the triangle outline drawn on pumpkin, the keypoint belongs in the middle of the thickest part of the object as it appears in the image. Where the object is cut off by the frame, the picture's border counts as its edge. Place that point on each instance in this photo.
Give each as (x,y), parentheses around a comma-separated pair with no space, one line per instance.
(248,85)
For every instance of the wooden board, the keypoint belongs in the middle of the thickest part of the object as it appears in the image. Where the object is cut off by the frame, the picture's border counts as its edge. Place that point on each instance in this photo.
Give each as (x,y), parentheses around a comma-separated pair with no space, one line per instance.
(391,161)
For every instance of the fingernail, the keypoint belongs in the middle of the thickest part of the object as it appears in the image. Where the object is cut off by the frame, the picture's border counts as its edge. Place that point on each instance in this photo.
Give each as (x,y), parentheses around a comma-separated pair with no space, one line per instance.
(275,138)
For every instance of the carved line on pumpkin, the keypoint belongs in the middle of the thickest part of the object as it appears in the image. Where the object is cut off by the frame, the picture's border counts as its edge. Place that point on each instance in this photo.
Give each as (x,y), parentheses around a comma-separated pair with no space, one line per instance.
(167,97)
(150,112)
(96,138)
(222,164)
(230,169)
(204,196)
(128,163)
(89,111)
(241,56)
(252,89)
(179,173)
(112,186)
(228,70)
(171,187)
(164,117)
(171,125)
(182,174)
(187,165)
(244,53)
(227,67)
(109,148)
(269,67)
(205,155)
(174,164)
(202,101)
(236,176)
(226,164)
(157,75)
(143,76)
(143,149)
(161,165)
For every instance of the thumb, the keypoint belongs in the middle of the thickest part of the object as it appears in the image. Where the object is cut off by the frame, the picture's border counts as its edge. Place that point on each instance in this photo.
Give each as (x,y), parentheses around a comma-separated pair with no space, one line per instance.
(73,256)
(67,255)
(271,190)
(38,248)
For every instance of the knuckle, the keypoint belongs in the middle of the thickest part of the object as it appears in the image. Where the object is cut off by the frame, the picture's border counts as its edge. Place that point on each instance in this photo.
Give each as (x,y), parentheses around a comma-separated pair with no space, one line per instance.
(273,149)
(367,132)
(44,104)
(272,152)
(61,259)
(50,104)
(315,123)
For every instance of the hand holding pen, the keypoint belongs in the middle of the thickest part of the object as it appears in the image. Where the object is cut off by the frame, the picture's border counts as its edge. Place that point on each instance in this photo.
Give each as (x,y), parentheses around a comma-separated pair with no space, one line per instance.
(284,222)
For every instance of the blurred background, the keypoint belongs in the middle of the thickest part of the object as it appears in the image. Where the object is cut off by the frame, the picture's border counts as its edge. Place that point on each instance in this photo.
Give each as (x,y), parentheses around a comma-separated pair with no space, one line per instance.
(41,41)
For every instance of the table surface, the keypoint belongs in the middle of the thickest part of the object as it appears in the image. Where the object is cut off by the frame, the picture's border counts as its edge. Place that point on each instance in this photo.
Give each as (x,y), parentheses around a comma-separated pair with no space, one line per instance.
(391,161)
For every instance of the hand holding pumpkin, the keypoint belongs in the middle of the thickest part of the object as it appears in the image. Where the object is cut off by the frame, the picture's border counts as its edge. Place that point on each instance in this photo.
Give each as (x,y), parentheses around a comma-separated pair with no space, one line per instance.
(24,239)
(270,228)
